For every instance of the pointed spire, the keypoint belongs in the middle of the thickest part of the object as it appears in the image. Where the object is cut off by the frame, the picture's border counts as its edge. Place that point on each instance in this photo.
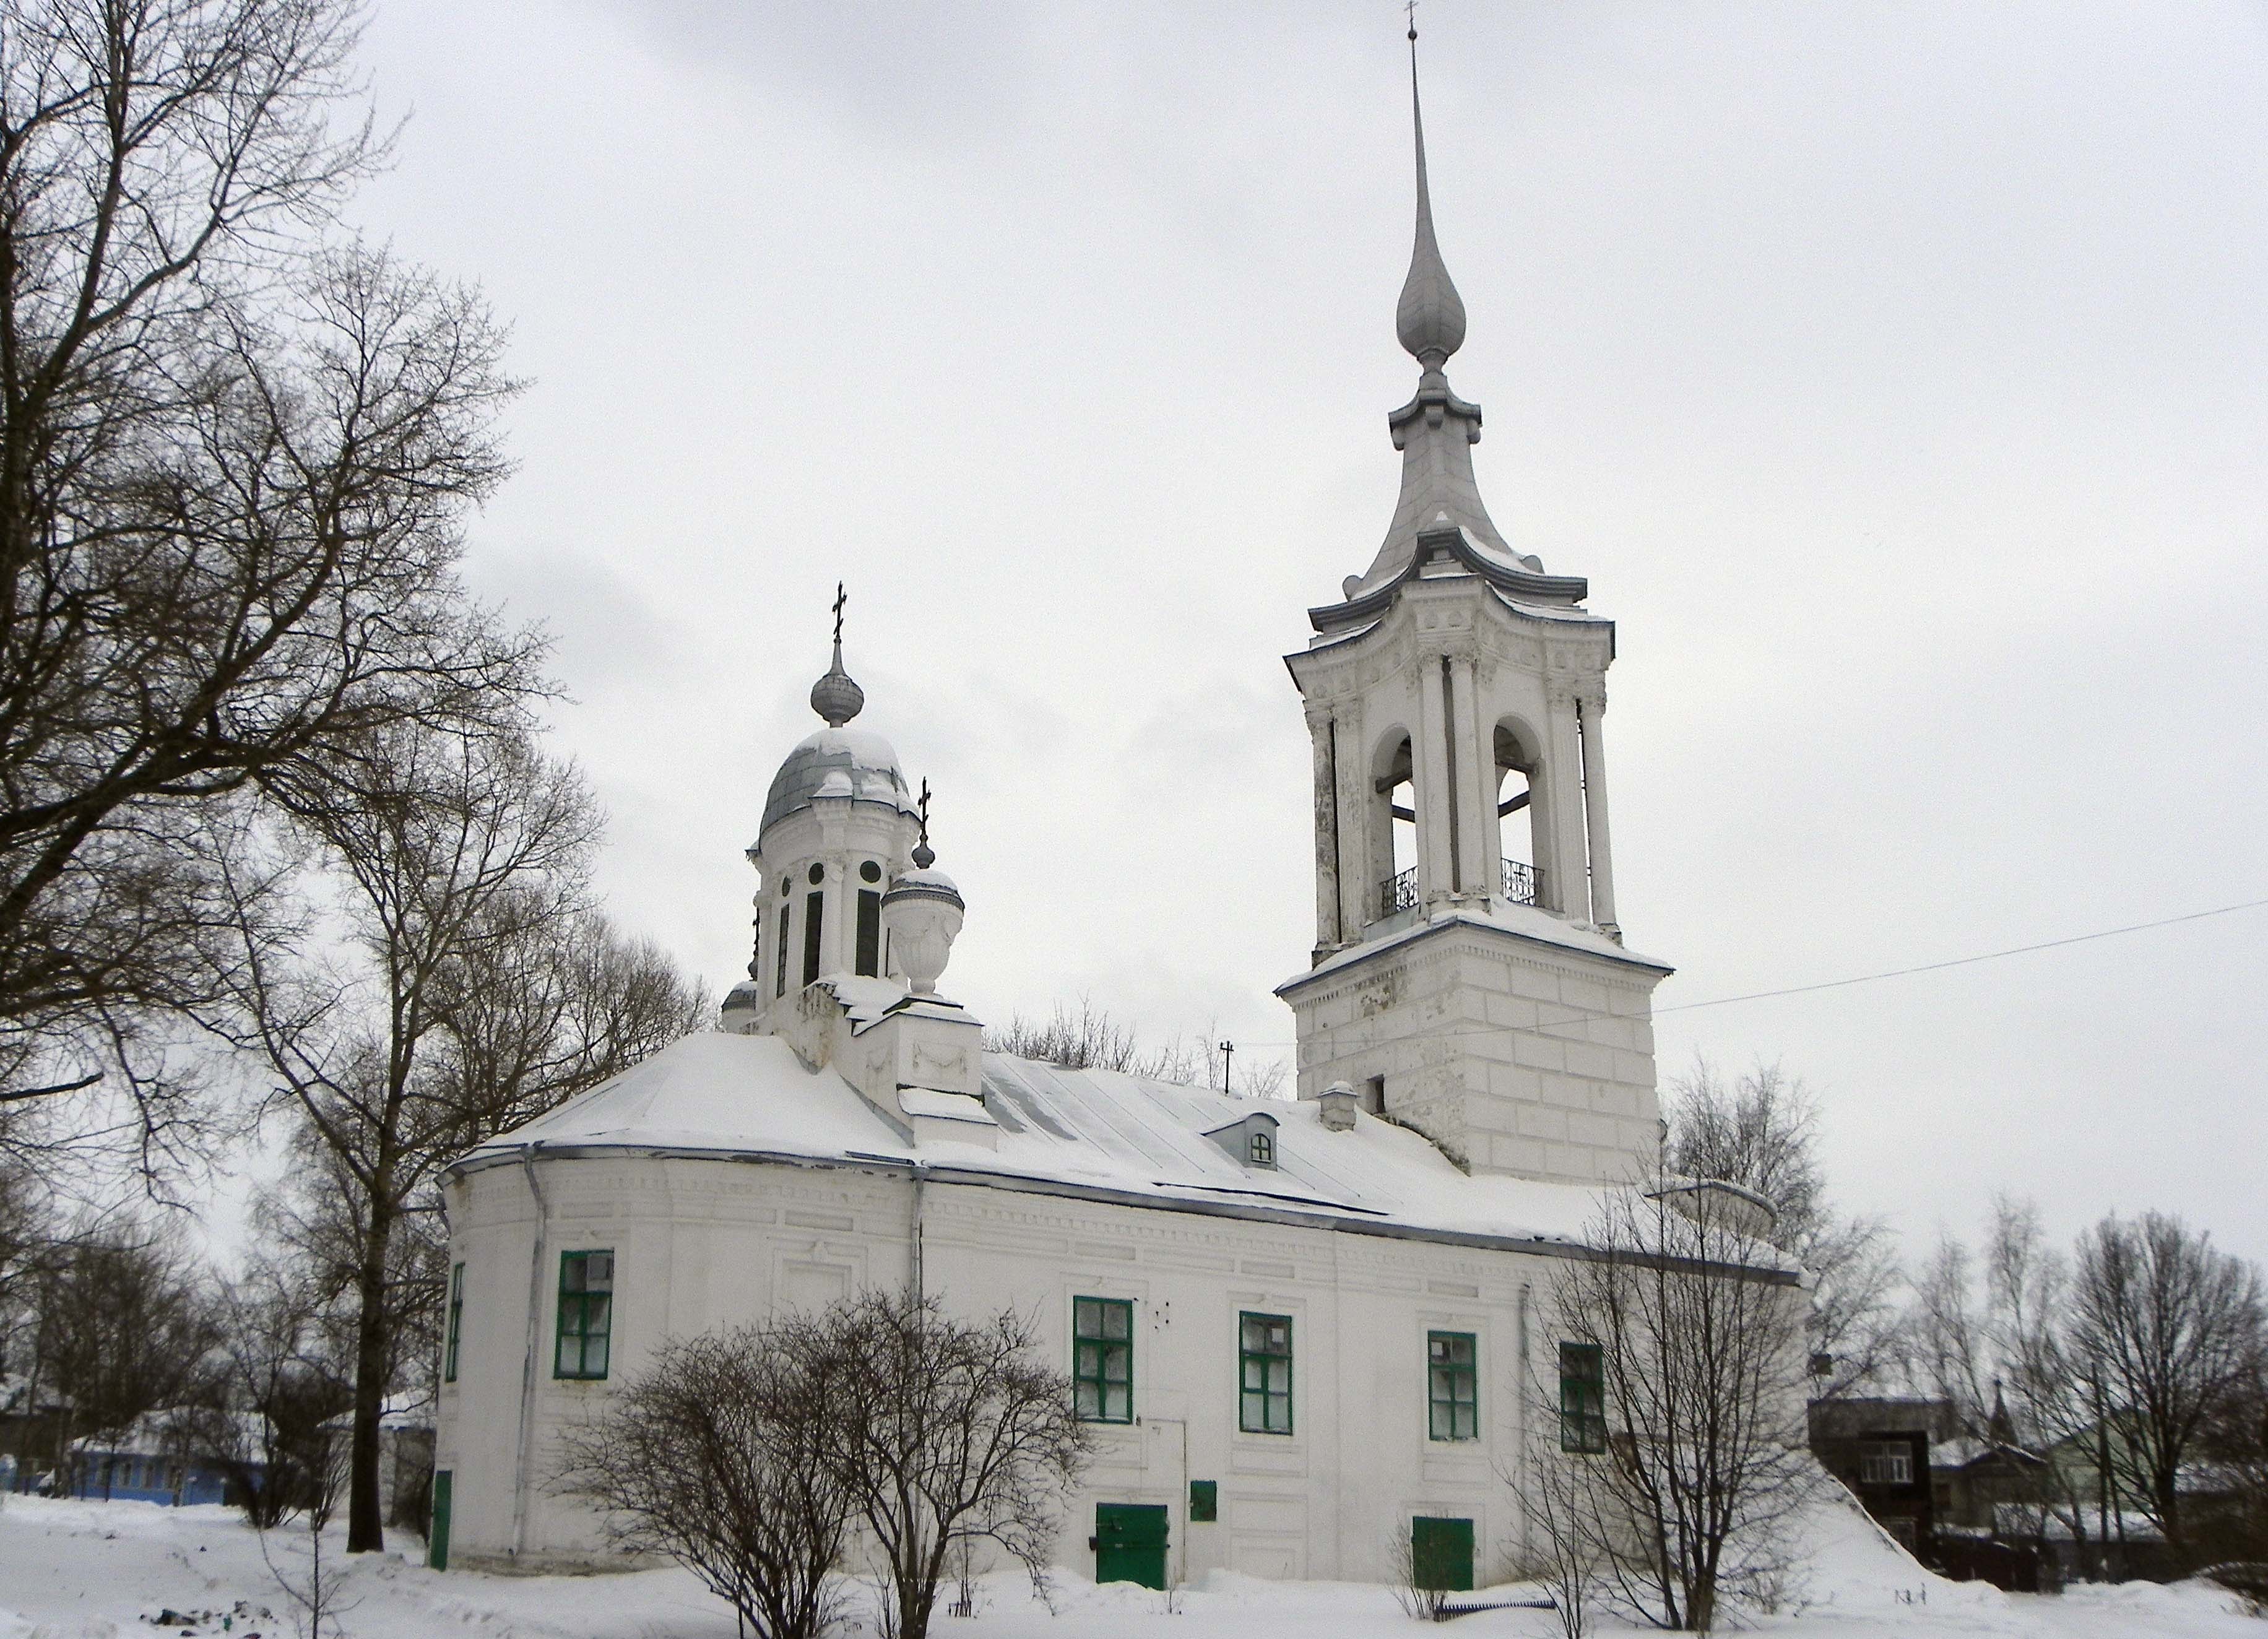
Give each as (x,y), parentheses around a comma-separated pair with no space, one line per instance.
(1431,317)
(835,696)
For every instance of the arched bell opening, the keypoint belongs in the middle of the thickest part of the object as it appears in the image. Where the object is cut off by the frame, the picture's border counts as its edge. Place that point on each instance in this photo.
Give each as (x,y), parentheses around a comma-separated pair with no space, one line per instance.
(1393,828)
(1519,761)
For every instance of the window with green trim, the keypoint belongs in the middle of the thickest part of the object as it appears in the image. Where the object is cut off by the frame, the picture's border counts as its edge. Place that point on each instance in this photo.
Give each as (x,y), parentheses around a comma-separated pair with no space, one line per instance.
(1452,1387)
(1263,1361)
(586,1313)
(456,1322)
(1582,1398)
(1102,1358)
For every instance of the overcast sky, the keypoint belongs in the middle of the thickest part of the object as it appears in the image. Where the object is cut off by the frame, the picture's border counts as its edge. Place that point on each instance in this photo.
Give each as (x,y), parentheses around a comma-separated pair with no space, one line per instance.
(1898,374)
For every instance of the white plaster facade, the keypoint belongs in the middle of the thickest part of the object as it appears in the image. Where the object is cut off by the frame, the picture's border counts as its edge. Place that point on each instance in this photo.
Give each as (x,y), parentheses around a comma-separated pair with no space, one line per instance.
(702,1244)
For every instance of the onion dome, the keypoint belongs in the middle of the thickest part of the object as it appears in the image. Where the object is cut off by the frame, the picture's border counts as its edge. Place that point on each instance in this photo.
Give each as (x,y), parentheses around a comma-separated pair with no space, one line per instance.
(836,697)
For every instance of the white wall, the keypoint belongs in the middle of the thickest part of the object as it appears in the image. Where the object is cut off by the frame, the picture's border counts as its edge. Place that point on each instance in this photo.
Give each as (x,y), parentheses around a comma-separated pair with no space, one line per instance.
(705,1244)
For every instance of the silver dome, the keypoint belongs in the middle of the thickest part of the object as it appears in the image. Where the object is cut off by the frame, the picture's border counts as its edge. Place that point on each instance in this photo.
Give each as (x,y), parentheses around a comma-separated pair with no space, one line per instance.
(836,762)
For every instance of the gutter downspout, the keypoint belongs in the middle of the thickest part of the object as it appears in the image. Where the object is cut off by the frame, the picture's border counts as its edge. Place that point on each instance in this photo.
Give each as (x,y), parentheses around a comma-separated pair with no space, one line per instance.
(527,1437)
(914,1238)
(1520,1411)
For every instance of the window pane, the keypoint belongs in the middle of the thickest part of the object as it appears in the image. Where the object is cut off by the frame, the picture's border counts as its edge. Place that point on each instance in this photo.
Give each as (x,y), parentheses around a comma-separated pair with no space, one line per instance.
(1086,1318)
(1117,1319)
(1114,1363)
(1119,1401)
(601,1275)
(1090,1400)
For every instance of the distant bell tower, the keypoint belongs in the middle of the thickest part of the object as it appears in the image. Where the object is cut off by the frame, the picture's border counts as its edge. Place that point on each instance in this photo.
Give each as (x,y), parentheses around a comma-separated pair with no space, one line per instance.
(1469,978)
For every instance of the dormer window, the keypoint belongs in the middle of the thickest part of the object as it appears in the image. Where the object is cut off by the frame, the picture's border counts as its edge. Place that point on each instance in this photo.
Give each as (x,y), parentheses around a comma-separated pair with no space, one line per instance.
(1249,1140)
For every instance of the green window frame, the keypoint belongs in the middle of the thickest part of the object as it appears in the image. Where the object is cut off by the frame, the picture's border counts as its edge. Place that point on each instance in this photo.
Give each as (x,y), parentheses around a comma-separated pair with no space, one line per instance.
(1452,1387)
(456,1322)
(1263,1373)
(1102,1358)
(1582,1398)
(587,1315)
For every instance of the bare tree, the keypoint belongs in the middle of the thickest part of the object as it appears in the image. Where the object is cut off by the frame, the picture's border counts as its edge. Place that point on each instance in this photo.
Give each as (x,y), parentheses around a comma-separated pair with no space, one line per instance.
(127,1327)
(1983,1336)
(465,987)
(945,1432)
(715,1456)
(1679,1394)
(1555,1490)
(2166,1333)
(1091,1038)
(282,1381)
(1417,1588)
(233,469)
(1760,1130)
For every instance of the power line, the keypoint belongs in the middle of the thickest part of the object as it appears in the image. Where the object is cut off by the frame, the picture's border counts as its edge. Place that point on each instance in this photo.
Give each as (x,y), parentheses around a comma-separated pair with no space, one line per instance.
(1965,962)
(1543,1028)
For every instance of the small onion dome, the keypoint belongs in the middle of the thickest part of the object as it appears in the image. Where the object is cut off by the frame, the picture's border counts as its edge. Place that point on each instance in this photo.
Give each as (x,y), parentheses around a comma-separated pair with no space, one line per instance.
(837,762)
(836,697)
(922,883)
(747,993)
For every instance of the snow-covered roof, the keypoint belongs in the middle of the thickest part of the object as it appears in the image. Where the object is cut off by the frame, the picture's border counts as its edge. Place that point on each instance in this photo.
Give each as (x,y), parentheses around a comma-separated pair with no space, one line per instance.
(1089,1132)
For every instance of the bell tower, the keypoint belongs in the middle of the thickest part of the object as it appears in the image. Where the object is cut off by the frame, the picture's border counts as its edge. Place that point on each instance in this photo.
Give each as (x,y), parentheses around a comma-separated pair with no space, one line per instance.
(1469,978)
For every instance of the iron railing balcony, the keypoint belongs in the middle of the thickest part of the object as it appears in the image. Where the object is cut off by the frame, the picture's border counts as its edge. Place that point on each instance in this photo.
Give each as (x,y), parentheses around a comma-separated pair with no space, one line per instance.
(1521,882)
(1398,893)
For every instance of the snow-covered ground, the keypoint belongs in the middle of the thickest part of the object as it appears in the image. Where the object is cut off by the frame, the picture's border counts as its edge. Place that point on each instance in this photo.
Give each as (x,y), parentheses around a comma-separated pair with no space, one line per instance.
(96,1571)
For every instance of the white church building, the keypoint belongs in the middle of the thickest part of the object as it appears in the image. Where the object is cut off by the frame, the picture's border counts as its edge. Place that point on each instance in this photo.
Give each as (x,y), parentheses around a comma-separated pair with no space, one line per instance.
(1305,1330)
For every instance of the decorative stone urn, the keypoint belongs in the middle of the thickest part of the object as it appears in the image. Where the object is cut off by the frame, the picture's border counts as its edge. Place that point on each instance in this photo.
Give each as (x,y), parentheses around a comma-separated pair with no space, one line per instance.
(922,913)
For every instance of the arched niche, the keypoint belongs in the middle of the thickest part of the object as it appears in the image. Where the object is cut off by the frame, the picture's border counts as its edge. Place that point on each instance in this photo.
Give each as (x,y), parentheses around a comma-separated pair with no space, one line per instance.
(1390,824)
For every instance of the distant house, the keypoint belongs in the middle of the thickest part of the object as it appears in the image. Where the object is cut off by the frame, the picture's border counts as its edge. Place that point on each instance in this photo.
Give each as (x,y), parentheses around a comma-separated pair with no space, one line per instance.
(1880,1448)
(161,1456)
(1975,1480)
(31,1422)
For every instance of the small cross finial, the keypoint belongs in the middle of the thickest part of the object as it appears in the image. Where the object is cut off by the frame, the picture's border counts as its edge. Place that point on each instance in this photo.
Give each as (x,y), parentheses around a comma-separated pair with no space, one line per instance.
(924,856)
(841,597)
(1410,10)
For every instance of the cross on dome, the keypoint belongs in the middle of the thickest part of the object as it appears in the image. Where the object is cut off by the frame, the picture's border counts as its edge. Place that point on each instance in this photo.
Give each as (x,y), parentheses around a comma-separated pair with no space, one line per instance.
(836,697)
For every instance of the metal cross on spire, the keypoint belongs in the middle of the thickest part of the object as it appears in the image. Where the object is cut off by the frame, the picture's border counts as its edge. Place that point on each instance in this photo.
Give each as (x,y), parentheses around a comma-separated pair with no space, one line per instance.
(924,856)
(841,597)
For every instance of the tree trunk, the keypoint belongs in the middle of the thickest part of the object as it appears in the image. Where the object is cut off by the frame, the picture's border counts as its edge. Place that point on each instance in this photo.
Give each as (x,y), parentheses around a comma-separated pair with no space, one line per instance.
(365,1521)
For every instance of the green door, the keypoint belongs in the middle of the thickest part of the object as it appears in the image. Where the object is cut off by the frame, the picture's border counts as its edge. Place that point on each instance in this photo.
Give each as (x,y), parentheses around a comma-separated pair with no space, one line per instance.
(1441,1554)
(436,1542)
(1129,1543)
